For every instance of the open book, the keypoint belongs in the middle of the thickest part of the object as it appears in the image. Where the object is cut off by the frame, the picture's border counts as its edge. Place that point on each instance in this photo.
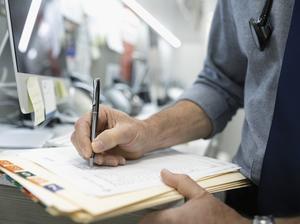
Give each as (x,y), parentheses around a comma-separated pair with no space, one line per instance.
(66,185)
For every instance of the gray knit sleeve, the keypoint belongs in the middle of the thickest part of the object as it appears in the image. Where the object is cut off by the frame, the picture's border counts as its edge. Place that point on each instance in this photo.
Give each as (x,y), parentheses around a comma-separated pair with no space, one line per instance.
(219,88)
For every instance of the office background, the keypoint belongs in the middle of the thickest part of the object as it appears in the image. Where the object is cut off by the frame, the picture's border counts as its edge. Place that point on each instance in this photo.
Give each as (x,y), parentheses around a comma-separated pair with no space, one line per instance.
(168,70)
(190,21)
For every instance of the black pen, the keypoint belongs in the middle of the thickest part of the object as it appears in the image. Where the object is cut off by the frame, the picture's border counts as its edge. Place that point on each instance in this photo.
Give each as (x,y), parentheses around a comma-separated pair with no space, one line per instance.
(95,114)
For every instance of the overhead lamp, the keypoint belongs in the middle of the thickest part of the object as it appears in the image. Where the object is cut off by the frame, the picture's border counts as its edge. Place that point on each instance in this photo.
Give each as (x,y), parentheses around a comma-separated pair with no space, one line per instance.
(29,25)
(153,22)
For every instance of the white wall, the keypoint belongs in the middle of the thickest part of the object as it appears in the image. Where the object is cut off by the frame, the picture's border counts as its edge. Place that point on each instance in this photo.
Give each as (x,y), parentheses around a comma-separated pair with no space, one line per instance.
(186,61)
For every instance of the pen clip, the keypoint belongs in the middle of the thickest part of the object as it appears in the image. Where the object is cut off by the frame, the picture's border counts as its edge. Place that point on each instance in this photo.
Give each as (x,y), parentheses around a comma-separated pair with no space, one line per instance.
(96,91)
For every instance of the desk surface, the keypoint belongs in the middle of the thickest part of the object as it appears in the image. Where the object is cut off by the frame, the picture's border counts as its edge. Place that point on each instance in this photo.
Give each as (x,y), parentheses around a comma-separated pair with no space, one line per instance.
(15,208)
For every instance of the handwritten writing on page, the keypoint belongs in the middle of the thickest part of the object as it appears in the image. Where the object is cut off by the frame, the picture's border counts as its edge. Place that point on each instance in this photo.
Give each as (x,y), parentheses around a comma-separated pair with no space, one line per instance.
(135,175)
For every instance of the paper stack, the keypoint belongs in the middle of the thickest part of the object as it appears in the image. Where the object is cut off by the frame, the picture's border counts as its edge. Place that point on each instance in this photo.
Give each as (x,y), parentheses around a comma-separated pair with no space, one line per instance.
(60,180)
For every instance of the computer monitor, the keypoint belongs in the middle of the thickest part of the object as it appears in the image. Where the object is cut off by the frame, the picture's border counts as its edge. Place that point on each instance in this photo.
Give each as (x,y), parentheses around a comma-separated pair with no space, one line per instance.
(37,40)
(6,67)
(9,106)
(5,60)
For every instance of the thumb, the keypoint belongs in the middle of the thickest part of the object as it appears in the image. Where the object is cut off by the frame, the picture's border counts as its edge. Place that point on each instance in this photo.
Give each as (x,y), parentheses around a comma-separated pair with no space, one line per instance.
(109,139)
(183,184)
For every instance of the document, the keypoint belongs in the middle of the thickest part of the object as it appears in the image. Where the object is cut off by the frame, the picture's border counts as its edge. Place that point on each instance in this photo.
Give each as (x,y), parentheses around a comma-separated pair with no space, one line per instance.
(62,181)
(135,175)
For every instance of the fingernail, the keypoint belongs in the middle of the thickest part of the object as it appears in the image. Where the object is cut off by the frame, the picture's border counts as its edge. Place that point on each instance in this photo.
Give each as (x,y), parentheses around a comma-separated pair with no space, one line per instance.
(111,162)
(86,155)
(99,160)
(98,146)
(122,161)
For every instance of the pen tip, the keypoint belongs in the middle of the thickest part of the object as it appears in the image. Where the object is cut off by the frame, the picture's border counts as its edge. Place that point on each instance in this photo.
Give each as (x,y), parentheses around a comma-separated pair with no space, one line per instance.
(91,162)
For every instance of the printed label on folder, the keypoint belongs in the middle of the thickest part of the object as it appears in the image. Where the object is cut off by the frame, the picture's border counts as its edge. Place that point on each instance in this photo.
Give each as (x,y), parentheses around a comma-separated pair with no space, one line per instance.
(13,168)
(5,163)
(25,174)
(53,188)
(36,97)
(38,180)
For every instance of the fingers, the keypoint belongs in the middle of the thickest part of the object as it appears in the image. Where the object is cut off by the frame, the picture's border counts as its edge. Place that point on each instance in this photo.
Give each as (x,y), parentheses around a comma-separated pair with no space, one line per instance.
(109,139)
(81,137)
(113,132)
(183,184)
(74,142)
(109,160)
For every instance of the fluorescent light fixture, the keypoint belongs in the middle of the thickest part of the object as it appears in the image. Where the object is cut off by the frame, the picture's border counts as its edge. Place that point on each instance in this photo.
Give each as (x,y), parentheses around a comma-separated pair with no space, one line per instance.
(29,25)
(153,23)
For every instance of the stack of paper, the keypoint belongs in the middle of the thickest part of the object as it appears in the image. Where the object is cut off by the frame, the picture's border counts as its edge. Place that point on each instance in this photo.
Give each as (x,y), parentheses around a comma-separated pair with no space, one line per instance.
(66,185)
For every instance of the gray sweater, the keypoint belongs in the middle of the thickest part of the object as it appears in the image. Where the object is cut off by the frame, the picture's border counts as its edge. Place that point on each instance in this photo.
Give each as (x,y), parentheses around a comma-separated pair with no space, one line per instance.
(236,74)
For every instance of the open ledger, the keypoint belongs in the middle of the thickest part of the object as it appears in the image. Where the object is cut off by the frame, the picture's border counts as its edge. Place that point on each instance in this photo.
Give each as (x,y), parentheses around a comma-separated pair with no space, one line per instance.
(64,183)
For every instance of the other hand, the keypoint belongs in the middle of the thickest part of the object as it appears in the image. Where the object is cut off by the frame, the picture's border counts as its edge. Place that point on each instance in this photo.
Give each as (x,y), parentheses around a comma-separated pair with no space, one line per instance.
(201,207)
(120,137)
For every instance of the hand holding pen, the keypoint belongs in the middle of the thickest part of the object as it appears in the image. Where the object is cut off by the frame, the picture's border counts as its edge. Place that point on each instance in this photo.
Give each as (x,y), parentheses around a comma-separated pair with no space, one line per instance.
(109,137)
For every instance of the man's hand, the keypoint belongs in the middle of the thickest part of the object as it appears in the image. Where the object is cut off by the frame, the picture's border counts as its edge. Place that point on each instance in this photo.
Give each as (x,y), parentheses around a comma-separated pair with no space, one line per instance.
(120,137)
(201,207)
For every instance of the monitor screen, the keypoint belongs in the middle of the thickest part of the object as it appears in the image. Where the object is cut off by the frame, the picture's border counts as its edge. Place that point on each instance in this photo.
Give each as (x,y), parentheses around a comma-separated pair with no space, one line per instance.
(43,43)
(42,38)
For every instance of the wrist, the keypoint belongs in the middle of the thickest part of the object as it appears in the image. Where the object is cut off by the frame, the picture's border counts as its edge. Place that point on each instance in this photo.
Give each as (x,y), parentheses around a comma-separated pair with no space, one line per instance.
(151,135)
(180,123)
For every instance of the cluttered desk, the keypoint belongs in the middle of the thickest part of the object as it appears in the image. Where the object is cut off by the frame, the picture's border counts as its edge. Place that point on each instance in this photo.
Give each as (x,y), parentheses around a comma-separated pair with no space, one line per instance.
(67,186)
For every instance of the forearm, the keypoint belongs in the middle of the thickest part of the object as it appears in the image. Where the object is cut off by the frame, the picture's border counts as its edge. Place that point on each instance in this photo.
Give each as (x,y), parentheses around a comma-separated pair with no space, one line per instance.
(183,122)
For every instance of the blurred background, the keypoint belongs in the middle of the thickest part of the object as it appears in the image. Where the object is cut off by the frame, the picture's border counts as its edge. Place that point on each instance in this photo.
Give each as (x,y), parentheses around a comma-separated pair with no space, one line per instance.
(145,52)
